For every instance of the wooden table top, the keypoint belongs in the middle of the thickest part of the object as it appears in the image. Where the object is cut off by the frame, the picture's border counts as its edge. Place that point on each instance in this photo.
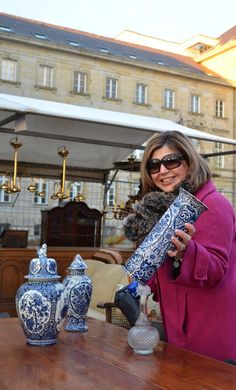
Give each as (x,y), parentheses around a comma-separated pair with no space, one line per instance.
(100,360)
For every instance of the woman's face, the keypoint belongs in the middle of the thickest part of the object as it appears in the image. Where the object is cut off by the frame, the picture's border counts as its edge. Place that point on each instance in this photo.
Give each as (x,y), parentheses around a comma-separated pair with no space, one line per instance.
(167,179)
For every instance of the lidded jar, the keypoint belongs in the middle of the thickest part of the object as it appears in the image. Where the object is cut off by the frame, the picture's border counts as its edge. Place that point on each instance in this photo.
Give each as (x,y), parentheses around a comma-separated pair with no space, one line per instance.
(78,290)
(143,337)
(40,303)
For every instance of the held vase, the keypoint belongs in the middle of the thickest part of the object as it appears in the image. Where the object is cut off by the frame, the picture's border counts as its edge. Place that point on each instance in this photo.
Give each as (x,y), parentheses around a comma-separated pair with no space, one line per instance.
(78,291)
(152,252)
(40,303)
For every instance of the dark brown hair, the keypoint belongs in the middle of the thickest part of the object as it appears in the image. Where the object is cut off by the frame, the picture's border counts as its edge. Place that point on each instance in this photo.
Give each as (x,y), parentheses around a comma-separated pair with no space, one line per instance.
(199,172)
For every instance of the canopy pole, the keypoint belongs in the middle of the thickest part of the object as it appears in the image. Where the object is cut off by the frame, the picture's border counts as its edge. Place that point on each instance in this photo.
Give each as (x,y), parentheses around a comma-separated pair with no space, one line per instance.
(106,189)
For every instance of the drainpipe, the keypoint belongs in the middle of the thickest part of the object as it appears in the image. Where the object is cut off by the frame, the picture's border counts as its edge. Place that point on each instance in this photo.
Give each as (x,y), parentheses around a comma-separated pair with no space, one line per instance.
(106,188)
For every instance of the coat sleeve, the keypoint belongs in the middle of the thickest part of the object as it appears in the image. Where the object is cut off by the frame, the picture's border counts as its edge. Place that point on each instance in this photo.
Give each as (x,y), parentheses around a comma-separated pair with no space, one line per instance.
(207,256)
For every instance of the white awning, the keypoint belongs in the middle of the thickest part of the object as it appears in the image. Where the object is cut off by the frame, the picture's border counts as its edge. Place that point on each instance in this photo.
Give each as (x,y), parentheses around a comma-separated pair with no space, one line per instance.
(96,138)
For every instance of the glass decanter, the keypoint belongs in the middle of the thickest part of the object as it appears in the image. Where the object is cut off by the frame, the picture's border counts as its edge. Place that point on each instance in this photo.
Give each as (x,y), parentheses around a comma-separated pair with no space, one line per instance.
(143,337)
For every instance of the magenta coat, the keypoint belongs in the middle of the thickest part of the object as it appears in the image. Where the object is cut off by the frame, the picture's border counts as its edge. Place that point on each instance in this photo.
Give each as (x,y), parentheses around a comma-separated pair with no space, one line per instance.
(199,306)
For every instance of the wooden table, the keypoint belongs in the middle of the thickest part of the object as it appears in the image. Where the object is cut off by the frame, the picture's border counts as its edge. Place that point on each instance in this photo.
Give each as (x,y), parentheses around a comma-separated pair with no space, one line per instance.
(100,360)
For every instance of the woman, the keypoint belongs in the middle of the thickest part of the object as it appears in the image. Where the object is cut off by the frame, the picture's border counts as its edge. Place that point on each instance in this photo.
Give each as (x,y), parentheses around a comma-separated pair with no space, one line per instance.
(196,285)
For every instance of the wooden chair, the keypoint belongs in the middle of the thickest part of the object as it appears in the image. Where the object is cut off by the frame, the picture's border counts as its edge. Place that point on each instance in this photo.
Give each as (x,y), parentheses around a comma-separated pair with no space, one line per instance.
(108,256)
(114,314)
(106,279)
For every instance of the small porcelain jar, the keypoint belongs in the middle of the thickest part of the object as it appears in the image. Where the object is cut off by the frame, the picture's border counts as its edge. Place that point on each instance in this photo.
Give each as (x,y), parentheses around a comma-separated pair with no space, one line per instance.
(78,289)
(40,303)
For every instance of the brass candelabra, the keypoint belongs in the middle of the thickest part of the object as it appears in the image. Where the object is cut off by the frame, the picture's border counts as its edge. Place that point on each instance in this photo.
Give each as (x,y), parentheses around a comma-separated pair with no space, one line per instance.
(61,194)
(11,184)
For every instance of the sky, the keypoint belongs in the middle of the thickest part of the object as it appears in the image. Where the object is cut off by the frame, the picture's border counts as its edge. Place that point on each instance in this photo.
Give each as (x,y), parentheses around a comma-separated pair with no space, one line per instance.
(173,20)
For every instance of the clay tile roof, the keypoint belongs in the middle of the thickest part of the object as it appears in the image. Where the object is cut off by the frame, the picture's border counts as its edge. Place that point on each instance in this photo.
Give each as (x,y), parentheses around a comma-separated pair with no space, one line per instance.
(228,35)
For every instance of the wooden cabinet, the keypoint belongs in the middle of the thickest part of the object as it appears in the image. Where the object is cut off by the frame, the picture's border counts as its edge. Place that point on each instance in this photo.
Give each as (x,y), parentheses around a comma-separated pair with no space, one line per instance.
(73,224)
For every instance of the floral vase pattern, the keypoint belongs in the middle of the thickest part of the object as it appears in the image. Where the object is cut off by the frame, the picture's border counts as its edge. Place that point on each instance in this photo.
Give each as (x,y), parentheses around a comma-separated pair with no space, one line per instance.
(40,303)
(78,290)
(151,253)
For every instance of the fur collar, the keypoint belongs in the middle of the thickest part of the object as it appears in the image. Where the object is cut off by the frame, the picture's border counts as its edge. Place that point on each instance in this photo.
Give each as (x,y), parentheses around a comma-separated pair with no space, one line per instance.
(148,212)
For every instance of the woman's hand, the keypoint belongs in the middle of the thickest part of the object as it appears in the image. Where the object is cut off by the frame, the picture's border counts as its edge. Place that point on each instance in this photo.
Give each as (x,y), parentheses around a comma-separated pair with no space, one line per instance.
(181,240)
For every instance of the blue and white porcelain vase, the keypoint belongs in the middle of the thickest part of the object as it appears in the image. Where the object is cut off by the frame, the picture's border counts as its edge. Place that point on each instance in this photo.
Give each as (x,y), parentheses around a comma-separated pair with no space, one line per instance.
(40,303)
(78,289)
(152,252)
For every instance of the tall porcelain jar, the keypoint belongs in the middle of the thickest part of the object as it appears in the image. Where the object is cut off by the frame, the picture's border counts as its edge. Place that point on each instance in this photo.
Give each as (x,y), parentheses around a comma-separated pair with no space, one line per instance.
(78,289)
(152,251)
(40,303)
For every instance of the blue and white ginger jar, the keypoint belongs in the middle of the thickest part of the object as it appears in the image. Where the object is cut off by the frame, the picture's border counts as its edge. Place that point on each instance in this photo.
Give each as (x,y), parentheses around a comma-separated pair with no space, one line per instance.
(78,289)
(40,303)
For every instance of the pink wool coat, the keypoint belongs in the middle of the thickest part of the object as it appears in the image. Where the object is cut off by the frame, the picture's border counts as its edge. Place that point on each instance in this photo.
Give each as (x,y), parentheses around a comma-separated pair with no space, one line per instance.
(199,306)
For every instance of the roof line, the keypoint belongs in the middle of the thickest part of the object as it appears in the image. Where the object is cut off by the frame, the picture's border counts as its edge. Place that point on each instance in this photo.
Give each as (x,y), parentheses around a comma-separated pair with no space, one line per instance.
(73,139)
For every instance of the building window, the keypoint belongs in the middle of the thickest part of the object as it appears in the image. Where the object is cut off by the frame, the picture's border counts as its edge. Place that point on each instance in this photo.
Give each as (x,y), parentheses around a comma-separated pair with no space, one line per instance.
(73,43)
(9,69)
(39,36)
(220,160)
(111,88)
(37,230)
(197,144)
(136,190)
(104,50)
(132,56)
(80,82)
(40,196)
(111,195)
(4,197)
(5,28)
(3,227)
(45,76)
(195,104)
(220,108)
(169,99)
(141,94)
(75,189)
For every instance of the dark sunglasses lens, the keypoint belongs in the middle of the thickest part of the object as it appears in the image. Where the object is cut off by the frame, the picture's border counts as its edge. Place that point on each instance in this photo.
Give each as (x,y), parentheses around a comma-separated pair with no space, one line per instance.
(172,163)
(154,166)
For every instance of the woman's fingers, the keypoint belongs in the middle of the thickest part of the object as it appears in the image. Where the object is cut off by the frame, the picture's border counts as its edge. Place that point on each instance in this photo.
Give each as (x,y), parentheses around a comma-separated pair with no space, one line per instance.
(181,239)
(185,235)
(190,229)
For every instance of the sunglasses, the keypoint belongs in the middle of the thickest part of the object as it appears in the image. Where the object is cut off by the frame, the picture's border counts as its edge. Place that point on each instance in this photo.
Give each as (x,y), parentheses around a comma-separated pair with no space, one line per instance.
(170,161)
